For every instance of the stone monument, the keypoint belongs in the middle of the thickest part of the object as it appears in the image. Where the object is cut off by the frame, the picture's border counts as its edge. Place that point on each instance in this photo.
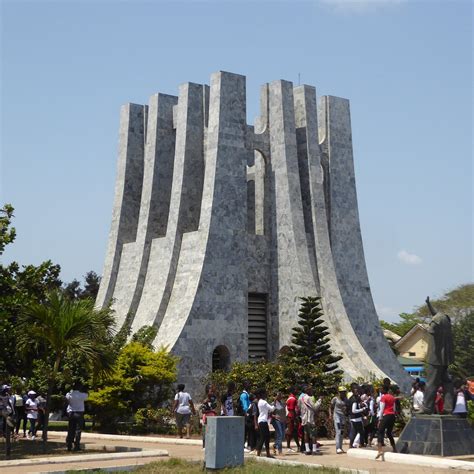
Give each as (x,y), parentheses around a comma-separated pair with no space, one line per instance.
(440,355)
(219,226)
(438,434)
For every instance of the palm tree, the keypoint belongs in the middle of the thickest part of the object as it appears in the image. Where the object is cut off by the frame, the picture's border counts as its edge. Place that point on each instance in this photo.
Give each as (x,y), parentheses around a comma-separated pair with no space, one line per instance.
(62,326)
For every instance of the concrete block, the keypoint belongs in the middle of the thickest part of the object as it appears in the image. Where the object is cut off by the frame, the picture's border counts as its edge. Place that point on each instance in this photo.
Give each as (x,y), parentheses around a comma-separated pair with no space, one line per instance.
(224,441)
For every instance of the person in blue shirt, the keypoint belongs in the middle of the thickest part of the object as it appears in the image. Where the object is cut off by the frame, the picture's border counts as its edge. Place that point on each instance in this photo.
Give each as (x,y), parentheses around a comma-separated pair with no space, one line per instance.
(244,404)
(245,397)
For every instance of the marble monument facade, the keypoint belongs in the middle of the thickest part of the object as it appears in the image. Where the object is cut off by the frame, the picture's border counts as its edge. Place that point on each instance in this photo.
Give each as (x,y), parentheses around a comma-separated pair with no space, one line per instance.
(219,226)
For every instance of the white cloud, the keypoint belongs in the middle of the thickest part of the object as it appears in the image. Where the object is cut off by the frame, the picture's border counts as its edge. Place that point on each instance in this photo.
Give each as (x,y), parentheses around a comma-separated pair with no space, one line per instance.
(359,6)
(408,258)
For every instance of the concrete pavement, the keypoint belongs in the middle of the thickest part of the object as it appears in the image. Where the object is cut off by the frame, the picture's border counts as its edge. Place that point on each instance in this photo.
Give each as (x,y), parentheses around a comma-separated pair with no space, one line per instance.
(194,452)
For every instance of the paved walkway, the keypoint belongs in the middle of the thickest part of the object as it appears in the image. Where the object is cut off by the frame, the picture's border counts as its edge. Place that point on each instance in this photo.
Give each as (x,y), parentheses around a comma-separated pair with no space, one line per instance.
(194,452)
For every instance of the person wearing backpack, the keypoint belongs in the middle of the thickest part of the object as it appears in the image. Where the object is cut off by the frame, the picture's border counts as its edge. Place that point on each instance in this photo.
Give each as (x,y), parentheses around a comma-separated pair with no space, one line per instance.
(251,417)
(308,408)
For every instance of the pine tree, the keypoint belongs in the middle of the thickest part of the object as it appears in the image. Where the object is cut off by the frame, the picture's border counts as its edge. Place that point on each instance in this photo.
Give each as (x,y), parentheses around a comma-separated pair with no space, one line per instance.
(310,341)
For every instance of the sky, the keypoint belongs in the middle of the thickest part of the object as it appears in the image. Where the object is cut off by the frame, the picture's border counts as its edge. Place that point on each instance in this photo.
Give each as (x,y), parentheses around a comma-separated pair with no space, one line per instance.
(406,66)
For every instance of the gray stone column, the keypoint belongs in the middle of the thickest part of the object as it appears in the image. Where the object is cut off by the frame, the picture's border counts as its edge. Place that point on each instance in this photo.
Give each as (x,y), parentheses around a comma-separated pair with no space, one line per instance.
(292,274)
(186,183)
(344,341)
(154,208)
(128,190)
(346,240)
(208,302)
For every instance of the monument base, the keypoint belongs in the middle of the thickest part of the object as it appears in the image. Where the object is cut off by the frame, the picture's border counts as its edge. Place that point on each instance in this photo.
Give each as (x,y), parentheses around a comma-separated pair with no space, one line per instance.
(437,435)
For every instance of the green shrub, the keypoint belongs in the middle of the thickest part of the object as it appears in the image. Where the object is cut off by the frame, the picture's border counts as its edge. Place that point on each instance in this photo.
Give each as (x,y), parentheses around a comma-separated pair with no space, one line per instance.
(57,402)
(154,420)
(141,377)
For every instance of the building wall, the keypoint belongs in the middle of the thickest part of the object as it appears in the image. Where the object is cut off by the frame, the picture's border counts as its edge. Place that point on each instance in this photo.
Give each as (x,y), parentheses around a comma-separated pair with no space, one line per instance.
(416,346)
(184,253)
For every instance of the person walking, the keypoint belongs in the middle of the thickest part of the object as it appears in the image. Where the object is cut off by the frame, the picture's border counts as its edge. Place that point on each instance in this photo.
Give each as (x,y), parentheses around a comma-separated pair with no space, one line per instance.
(31,407)
(75,412)
(20,412)
(308,408)
(41,401)
(291,420)
(242,407)
(264,410)
(386,420)
(338,412)
(357,410)
(370,428)
(183,407)
(251,419)
(279,423)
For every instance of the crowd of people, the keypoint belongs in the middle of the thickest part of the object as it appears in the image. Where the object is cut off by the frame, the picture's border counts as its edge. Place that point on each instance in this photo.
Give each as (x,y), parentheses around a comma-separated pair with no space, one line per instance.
(363,413)
(463,393)
(22,412)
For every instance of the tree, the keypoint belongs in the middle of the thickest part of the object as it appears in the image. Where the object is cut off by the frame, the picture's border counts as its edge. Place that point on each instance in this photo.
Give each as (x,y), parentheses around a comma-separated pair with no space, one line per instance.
(308,360)
(19,287)
(145,336)
(457,303)
(463,335)
(64,326)
(73,290)
(7,232)
(91,286)
(140,377)
(310,341)
(402,327)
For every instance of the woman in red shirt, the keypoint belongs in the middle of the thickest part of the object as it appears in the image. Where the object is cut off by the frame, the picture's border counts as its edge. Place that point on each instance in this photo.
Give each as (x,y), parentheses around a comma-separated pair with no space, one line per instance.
(386,417)
(291,421)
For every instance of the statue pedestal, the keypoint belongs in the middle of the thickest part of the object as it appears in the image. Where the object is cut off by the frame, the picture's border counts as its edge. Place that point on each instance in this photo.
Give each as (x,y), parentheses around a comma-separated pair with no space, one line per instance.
(437,435)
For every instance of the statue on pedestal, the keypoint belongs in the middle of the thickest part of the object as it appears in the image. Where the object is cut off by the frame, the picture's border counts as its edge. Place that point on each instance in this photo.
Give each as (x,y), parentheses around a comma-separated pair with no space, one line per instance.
(440,356)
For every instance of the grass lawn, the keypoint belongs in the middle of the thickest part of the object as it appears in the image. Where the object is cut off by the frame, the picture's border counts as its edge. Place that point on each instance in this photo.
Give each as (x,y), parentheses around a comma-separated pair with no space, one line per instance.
(178,466)
(62,425)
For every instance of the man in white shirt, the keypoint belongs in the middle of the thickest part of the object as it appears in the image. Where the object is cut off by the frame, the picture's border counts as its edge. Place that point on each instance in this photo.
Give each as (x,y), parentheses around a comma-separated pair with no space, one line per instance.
(183,407)
(418,397)
(308,408)
(75,412)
